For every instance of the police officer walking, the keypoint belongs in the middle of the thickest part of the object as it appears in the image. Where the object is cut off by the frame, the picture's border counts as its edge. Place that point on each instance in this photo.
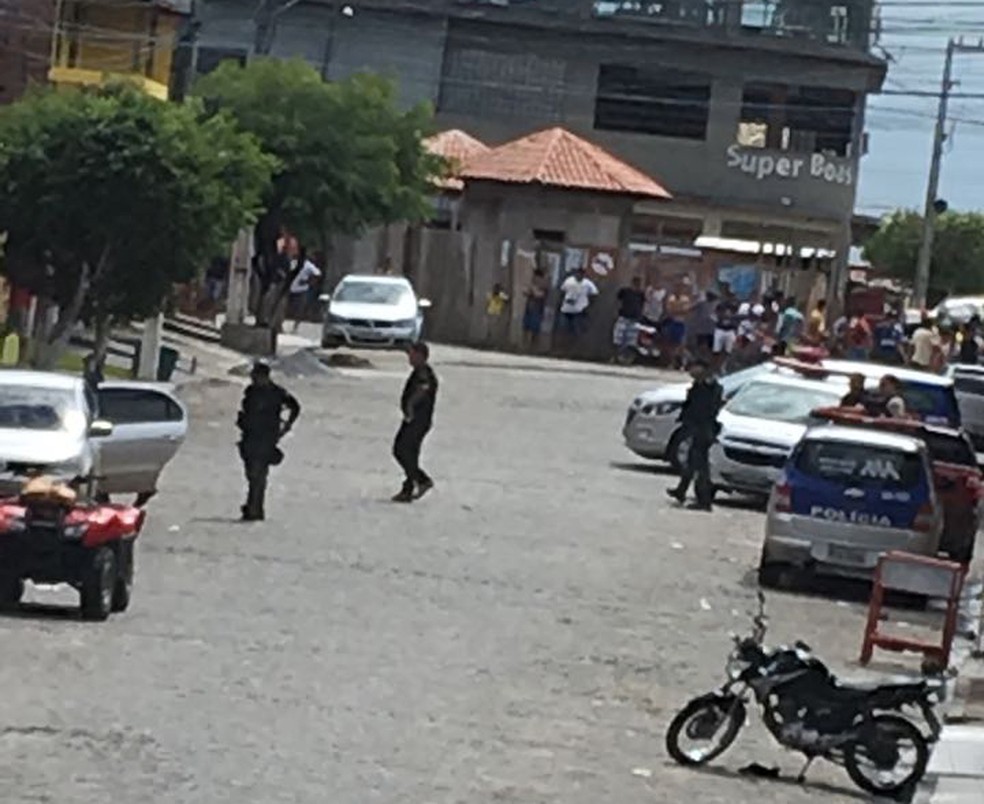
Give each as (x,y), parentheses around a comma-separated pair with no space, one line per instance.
(699,419)
(417,405)
(262,424)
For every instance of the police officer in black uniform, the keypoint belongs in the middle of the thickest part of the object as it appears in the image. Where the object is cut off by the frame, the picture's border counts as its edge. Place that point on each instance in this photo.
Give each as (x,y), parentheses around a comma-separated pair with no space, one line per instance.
(417,405)
(699,419)
(262,424)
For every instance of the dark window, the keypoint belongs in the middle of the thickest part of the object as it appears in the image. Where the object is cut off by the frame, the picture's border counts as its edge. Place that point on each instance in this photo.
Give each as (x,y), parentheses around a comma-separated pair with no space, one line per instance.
(209,58)
(652,100)
(800,119)
(860,464)
(136,406)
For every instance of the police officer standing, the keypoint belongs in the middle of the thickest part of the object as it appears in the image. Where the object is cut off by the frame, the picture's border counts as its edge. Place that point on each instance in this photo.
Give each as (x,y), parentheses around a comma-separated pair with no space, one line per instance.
(699,419)
(417,405)
(262,424)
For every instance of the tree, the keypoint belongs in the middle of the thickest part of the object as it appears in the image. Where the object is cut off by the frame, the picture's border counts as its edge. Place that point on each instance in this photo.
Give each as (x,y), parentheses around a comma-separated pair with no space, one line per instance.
(957,264)
(109,197)
(349,158)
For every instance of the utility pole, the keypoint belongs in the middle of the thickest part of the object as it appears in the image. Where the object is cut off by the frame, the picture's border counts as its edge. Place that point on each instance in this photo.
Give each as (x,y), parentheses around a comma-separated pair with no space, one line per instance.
(932,186)
(265,19)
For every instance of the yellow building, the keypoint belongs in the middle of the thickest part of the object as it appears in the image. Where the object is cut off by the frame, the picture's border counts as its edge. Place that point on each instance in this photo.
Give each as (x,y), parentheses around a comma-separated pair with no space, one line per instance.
(99,40)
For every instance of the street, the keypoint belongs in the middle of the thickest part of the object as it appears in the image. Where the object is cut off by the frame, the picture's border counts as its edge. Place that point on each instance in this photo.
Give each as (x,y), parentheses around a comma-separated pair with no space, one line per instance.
(524,634)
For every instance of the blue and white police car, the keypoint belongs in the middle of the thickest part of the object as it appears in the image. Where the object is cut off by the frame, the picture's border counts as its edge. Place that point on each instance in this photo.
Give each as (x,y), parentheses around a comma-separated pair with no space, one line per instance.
(845,496)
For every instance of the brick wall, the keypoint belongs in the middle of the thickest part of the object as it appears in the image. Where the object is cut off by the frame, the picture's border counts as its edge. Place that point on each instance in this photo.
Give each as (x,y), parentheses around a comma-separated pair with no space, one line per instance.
(25,44)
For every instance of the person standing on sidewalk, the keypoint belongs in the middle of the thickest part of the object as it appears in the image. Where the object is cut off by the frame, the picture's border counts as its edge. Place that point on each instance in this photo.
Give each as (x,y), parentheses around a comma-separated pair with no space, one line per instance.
(417,406)
(261,425)
(699,419)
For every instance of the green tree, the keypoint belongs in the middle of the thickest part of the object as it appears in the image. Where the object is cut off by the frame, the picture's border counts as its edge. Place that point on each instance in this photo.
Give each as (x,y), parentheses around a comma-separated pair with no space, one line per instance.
(109,197)
(957,264)
(349,157)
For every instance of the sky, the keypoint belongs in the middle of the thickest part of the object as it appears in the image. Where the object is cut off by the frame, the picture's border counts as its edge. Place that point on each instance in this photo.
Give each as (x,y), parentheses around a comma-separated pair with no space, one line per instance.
(900,127)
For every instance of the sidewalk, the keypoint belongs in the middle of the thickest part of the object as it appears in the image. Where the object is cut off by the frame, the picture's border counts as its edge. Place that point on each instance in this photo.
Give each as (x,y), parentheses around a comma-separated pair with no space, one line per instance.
(956,767)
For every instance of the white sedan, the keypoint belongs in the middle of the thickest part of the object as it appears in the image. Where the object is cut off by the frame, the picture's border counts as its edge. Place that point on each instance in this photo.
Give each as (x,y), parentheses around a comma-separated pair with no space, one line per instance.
(373,311)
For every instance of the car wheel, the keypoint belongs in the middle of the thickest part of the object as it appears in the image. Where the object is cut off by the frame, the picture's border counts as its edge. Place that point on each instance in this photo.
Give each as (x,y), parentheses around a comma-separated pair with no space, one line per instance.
(11,590)
(678,451)
(98,584)
(775,575)
(123,589)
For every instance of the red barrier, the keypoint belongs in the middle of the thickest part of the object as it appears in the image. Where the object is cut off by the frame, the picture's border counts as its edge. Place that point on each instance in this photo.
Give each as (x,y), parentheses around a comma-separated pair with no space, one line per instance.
(906,572)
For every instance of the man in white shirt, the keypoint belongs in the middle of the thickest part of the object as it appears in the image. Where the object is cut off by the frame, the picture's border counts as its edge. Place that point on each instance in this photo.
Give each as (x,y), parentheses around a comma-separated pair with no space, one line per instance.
(577,292)
(925,342)
(300,288)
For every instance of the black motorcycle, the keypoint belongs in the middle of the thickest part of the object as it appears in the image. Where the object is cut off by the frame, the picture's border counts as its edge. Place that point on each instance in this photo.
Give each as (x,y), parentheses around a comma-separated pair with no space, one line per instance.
(807,709)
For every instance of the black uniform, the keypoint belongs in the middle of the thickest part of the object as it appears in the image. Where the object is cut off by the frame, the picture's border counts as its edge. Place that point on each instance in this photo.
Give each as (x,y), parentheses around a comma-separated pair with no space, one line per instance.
(261,423)
(699,420)
(417,404)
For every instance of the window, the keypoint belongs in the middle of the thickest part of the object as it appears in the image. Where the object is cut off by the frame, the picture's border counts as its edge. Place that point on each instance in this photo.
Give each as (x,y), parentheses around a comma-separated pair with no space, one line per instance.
(25,407)
(782,403)
(208,59)
(652,100)
(860,464)
(137,406)
(797,119)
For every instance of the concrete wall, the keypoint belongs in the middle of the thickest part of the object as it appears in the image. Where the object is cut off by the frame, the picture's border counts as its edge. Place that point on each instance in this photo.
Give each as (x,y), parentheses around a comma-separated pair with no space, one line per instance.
(25,44)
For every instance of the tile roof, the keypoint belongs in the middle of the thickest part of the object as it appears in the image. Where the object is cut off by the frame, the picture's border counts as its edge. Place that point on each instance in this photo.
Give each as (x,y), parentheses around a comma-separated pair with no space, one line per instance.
(558,158)
(457,147)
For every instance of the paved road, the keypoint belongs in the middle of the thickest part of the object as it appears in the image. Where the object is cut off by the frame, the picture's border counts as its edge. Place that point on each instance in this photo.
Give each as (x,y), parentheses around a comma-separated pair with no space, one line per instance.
(523,635)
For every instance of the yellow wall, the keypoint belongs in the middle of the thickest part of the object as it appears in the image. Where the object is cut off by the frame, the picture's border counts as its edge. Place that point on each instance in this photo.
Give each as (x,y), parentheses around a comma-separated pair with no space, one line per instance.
(96,38)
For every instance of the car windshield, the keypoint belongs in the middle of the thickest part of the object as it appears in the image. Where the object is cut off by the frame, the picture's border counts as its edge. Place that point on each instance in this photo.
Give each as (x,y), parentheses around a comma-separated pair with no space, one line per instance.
(860,464)
(783,403)
(731,383)
(23,407)
(368,292)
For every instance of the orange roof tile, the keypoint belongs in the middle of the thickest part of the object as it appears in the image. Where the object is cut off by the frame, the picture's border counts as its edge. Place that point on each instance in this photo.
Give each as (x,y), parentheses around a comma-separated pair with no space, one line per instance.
(558,158)
(457,147)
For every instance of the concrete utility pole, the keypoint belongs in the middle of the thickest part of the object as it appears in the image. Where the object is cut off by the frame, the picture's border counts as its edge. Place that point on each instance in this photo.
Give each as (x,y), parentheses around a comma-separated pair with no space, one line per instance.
(932,186)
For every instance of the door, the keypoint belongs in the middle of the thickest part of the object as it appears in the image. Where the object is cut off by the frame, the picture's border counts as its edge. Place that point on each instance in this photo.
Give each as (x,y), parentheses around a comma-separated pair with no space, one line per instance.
(148,428)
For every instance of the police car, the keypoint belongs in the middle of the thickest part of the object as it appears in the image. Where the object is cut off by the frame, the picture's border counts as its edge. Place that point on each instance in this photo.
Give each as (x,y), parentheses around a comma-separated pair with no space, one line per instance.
(846,496)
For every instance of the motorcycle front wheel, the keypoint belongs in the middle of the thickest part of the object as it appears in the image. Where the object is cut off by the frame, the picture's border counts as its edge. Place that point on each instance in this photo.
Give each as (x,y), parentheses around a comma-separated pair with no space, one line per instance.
(890,757)
(704,729)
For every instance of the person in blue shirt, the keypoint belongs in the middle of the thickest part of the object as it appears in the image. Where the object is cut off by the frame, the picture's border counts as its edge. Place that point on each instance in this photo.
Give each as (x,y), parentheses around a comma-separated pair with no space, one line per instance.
(889,340)
(789,327)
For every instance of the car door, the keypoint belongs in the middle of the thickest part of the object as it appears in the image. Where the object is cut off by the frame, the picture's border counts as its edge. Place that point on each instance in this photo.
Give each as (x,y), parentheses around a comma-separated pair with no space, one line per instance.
(149,426)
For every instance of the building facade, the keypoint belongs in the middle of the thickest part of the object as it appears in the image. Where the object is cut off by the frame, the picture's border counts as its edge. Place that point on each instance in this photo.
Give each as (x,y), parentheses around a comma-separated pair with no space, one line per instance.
(25,45)
(751,113)
(99,40)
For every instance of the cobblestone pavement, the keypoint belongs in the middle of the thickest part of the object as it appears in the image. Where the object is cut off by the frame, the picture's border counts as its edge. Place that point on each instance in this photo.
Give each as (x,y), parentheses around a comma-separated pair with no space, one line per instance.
(522,635)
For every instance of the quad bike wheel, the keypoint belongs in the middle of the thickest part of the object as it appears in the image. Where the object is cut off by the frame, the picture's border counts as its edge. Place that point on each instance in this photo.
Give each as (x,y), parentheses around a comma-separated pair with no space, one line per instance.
(11,590)
(98,584)
(123,588)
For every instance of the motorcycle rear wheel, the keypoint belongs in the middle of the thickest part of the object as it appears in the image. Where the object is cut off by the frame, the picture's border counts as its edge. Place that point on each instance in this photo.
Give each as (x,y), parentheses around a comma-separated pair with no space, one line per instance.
(888,732)
(701,713)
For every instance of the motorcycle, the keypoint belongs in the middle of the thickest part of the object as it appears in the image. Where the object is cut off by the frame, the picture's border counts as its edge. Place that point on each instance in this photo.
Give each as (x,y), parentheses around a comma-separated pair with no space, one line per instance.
(807,709)
(643,345)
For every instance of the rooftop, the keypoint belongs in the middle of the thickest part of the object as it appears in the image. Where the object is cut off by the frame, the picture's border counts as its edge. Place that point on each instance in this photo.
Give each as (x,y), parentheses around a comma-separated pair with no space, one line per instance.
(557,158)
(457,147)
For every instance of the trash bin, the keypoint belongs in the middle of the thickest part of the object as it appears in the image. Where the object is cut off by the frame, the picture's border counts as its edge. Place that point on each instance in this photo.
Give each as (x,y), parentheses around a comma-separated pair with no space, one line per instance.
(166,363)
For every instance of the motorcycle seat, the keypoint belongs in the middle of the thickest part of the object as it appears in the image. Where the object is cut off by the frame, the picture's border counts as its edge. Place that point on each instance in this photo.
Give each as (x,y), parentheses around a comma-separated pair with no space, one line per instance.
(904,687)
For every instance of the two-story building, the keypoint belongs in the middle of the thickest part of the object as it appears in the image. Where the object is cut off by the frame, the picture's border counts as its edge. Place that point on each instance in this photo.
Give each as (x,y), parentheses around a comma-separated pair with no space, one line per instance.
(750,112)
(99,40)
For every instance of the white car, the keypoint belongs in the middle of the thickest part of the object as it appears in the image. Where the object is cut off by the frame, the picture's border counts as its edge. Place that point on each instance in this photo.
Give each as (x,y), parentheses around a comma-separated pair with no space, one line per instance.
(651,429)
(373,311)
(123,435)
(761,425)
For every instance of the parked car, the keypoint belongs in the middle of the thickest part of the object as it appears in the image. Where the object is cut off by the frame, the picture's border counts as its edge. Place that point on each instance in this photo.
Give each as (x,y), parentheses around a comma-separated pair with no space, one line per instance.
(651,429)
(959,309)
(53,424)
(761,425)
(845,496)
(957,477)
(968,384)
(373,311)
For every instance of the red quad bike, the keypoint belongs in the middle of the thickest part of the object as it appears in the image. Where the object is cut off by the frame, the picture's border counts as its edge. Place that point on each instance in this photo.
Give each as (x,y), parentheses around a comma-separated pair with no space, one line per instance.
(87,545)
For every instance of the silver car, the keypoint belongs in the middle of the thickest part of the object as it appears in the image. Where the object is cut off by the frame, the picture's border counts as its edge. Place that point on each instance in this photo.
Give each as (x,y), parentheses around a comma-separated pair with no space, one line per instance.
(652,429)
(846,496)
(373,311)
(968,384)
(123,435)
(761,425)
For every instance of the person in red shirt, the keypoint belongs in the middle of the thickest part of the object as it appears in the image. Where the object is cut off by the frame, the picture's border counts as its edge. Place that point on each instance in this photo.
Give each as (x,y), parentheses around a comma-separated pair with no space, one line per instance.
(859,339)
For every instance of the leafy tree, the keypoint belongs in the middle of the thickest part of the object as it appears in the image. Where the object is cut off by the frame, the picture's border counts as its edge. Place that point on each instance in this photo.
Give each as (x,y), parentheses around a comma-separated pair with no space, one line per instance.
(109,197)
(349,158)
(957,264)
